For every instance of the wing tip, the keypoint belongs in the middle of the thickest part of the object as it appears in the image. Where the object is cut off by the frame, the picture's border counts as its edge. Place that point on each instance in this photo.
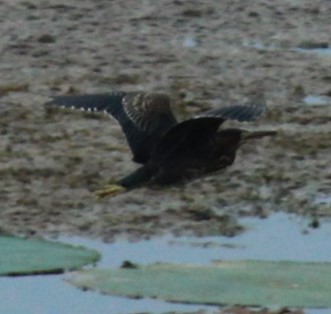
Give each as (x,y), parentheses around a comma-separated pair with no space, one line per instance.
(247,112)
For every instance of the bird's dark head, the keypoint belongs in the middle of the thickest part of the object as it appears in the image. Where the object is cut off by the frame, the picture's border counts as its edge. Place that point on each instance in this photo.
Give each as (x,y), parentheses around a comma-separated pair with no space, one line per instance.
(226,142)
(230,137)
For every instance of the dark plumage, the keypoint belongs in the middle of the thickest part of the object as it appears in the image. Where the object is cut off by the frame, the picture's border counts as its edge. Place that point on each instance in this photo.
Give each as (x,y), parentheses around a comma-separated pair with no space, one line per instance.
(169,151)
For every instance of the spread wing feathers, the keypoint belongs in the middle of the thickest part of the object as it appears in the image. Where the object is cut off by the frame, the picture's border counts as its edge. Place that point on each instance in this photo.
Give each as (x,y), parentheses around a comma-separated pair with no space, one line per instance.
(142,117)
(107,103)
(238,112)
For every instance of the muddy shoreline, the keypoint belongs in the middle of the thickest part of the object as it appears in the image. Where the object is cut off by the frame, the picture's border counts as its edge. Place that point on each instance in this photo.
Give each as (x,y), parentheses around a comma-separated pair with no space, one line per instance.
(205,55)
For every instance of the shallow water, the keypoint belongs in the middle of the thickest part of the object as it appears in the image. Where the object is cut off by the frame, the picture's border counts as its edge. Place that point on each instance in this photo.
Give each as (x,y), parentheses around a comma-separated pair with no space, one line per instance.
(323,199)
(316,100)
(261,46)
(320,51)
(190,42)
(280,237)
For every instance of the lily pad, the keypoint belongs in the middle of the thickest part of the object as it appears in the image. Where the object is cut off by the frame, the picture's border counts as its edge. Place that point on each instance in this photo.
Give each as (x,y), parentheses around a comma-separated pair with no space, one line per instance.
(260,283)
(20,256)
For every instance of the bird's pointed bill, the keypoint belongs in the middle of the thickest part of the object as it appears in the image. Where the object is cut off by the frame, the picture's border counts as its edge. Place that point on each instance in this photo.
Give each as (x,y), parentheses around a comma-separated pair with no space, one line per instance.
(246,135)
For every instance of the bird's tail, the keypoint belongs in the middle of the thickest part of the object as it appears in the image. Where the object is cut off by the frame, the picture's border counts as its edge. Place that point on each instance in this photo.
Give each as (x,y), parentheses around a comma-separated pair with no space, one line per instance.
(247,135)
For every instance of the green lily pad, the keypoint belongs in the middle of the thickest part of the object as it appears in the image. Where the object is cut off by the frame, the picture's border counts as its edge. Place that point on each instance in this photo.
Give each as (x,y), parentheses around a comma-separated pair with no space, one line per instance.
(30,256)
(260,283)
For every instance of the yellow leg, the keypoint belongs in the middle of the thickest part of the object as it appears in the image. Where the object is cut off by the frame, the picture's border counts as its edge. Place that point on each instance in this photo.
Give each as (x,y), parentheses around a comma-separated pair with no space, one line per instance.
(109,191)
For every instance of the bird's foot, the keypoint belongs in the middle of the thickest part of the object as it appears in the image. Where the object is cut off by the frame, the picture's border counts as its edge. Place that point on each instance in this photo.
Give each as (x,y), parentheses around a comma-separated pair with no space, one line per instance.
(109,191)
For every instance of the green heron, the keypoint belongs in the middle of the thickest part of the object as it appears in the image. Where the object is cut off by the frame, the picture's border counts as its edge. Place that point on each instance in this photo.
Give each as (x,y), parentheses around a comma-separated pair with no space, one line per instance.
(169,151)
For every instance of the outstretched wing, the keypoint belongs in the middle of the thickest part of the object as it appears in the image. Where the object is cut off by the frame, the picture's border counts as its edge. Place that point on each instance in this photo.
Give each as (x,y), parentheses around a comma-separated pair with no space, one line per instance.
(143,117)
(237,112)
(190,133)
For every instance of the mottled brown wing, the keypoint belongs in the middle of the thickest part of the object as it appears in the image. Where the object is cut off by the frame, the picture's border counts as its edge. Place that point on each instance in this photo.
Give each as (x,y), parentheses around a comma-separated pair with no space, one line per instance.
(150,112)
(142,117)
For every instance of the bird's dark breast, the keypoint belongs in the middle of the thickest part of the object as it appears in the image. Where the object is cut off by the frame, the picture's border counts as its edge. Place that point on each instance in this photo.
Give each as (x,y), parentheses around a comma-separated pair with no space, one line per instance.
(195,163)
(141,147)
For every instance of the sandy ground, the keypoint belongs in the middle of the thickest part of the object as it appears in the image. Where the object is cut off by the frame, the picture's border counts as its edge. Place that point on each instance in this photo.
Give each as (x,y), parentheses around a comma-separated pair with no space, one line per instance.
(205,54)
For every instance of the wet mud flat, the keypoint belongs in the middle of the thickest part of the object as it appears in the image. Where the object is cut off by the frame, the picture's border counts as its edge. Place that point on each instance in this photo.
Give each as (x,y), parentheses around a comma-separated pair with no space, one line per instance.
(53,160)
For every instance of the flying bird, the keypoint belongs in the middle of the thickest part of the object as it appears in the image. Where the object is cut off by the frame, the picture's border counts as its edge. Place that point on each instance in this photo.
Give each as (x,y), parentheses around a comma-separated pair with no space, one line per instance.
(169,151)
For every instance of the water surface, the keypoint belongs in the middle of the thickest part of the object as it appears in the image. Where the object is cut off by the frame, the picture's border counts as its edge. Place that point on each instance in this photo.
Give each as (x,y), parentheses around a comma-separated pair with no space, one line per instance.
(280,237)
